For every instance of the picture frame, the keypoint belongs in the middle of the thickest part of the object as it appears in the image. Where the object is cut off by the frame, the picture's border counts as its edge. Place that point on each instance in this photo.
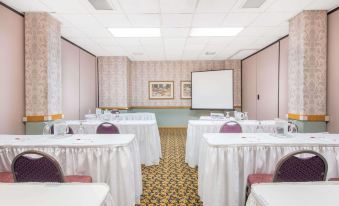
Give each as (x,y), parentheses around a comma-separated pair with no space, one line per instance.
(186,90)
(161,90)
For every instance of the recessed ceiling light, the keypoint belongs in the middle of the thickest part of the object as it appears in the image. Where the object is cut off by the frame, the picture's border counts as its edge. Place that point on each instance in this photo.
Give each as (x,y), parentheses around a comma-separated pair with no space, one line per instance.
(101,4)
(222,31)
(253,4)
(135,32)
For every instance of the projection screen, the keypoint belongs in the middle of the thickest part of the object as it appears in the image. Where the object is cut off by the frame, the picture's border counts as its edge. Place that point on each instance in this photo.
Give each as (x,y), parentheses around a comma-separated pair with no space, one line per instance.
(212,90)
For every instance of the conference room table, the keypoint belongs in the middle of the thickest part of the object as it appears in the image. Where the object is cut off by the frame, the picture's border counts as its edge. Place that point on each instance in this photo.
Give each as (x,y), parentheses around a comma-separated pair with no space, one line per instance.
(196,129)
(294,194)
(54,194)
(127,116)
(146,132)
(111,159)
(226,160)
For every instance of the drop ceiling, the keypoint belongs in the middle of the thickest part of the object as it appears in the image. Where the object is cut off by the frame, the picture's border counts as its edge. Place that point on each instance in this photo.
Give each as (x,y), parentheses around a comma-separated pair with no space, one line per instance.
(88,28)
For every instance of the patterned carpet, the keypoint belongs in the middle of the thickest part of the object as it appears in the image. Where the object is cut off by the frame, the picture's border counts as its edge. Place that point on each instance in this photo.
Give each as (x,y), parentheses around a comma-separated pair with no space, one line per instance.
(172,182)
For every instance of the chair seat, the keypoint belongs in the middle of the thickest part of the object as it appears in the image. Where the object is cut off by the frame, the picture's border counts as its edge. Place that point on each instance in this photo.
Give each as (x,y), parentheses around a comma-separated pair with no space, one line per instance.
(6,177)
(334,179)
(78,178)
(259,178)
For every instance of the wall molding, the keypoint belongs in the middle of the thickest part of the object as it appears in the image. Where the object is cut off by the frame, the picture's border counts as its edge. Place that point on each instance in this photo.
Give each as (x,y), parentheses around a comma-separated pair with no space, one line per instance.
(305,117)
(42,118)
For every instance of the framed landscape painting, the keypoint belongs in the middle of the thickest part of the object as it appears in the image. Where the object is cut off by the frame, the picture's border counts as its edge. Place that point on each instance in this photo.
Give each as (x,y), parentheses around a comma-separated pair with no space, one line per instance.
(161,89)
(186,90)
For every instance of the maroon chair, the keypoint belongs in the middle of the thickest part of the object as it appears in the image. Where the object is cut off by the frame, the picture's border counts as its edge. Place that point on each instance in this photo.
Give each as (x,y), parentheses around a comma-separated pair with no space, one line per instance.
(70,130)
(107,128)
(6,177)
(294,169)
(34,166)
(230,127)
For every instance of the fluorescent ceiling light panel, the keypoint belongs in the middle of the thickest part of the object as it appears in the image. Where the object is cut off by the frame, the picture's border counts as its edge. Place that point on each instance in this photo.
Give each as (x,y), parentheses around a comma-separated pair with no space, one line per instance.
(222,31)
(101,4)
(253,4)
(135,32)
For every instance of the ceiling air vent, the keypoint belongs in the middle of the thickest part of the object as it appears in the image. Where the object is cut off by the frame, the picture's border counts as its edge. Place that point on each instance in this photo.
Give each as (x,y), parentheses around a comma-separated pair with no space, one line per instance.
(101,4)
(253,4)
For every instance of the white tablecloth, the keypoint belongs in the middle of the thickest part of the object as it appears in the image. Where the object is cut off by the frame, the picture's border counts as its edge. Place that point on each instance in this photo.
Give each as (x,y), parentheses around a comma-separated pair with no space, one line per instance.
(146,132)
(226,160)
(129,116)
(196,129)
(110,159)
(53,194)
(295,194)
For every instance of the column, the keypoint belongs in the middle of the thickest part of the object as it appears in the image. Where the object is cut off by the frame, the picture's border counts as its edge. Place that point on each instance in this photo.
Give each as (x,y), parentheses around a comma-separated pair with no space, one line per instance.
(307,70)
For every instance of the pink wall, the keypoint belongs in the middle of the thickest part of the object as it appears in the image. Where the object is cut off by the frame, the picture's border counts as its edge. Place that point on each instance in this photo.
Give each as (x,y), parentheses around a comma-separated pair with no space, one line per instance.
(333,72)
(249,86)
(70,80)
(260,75)
(78,81)
(283,81)
(12,94)
(87,83)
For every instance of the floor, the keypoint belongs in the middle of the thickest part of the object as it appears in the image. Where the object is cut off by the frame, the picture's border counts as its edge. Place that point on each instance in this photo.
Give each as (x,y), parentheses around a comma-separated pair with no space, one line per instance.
(172,182)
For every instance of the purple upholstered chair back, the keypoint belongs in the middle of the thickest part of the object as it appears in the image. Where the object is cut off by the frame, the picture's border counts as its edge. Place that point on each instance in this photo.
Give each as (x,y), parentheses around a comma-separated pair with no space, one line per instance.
(70,130)
(33,166)
(231,127)
(301,169)
(107,128)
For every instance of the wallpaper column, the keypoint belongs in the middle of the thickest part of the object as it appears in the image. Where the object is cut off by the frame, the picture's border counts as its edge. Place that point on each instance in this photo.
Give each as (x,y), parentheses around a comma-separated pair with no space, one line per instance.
(113,74)
(42,67)
(307,66)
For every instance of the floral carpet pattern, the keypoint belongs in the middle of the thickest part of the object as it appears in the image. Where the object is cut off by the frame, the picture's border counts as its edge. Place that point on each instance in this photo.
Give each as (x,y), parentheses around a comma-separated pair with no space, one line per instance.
(172,182)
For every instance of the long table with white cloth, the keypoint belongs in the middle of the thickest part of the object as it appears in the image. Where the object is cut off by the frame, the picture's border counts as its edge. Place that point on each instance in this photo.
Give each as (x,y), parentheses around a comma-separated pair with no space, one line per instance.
(146,132)
(294,194)
(196,129)
(111,159)
(127,116)
(226,160)
(54,194)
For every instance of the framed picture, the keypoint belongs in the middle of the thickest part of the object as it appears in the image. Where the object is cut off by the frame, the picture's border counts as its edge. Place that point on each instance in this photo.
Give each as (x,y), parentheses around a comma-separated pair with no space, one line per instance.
(161,89)
(186,90)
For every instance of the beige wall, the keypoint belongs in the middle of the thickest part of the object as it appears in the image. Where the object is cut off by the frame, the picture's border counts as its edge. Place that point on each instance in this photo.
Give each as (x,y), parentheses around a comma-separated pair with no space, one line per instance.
(12,94)
(78,81)
(283,87)
(333,72)
(141,72)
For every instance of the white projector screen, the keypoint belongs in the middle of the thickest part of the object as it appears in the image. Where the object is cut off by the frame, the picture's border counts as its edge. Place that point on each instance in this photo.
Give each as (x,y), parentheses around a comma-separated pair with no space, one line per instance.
(212,90)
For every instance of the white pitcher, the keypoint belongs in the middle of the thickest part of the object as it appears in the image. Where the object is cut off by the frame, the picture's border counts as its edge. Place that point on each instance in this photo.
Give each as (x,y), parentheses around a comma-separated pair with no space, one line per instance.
(239,115)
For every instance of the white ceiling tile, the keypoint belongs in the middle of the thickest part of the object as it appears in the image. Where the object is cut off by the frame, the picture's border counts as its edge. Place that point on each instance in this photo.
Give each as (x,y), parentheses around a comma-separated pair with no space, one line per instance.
(69,32)
(253,31)
(272,18)
(174,32)
(112,20)
(140,6)
(240,43)
(65,6)
(323,5)
(127,41)
(144,20)
(207,20)
(177,6)
(209,6)
(176,20)
(115,51)
(80,20)
(288,5)
(243,53)
(239,19)
(220,40)
(106,42)
(197,40)
(24,5)
(174,42)
(81,41)
(96,32)
(151,41)
(264,41)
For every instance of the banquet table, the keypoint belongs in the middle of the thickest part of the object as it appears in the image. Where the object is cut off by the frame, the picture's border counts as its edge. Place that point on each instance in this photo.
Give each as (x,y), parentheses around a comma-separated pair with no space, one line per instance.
(196,129)
(146,132)
(53,194)
(129,116)
(294,194)
(111,159)
(226,160)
